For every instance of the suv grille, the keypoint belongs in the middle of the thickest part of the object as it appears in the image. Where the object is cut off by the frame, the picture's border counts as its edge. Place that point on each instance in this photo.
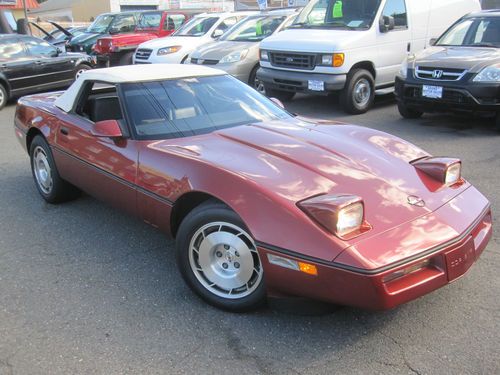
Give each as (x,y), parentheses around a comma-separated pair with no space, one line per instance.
(293,60)
(204,61)
(143,54)
(439,74)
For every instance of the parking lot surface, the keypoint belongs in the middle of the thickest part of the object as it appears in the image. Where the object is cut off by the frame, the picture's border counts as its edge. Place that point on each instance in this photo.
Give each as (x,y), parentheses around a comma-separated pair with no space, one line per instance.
(85,289)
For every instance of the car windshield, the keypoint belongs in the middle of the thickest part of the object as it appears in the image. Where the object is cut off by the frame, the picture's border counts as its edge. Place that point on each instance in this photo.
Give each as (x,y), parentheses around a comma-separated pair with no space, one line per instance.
(473,32)
(192,106)
(198,26)
(338,14)
(149,20)
(101,23)
(254,29)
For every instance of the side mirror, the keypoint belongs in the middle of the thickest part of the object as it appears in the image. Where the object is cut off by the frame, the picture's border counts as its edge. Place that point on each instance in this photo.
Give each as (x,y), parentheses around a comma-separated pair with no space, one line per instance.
(59,51)
(277,102)
(218,33)
(433,41)
(386,24)
(107,129)
(114,30)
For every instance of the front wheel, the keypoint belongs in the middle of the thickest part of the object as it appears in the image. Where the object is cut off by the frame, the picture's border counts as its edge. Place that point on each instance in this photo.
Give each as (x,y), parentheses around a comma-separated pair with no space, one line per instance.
(358,94)
(50,185)
(80,69)
(256,83)
(284,96)
(409,113)
(218,258)
(3,96)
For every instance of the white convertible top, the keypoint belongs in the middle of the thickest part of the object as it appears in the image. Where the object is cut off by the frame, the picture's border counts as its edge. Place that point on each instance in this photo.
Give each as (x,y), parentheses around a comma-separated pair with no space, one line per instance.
(132,73)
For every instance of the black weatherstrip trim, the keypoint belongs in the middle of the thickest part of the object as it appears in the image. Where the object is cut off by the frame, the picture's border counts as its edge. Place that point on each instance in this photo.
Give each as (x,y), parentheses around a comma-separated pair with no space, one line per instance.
(116,178)
(380,269)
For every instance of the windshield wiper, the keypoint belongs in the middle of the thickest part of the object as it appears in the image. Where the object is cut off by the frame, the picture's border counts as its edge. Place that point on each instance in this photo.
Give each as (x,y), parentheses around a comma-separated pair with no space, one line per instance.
(301,24)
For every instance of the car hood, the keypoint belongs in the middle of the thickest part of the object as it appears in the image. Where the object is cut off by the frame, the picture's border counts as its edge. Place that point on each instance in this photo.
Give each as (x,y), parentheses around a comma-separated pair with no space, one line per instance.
(471,58)
(85,38)
(217,50)
(296,160)
(169,41)
(317,41)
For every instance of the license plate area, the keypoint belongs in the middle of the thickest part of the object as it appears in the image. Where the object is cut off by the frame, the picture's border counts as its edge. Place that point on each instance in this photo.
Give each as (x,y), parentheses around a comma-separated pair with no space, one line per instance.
(315,85)
(432,92)
(459,260)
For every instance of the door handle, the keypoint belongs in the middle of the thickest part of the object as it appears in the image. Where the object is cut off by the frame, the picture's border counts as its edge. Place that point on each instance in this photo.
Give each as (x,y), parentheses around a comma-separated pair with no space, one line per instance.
(408,47)
(39,62)
(64,131)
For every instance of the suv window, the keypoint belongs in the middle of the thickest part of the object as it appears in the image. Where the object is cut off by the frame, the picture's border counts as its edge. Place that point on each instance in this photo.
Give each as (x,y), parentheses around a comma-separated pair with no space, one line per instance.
(11,49)
(123,24)
(397,10)
(174,21)
(38,47)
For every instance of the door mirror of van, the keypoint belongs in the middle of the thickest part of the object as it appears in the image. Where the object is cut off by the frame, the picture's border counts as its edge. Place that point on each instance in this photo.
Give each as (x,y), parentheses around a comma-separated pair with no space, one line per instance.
(386,24)
(433,41)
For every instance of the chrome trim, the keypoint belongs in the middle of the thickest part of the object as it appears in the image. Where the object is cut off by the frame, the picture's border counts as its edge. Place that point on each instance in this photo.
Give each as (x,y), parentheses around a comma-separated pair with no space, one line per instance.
(429,71)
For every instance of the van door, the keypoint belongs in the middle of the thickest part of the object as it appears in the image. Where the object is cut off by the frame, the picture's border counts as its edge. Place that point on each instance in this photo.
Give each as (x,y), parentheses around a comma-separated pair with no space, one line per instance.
(394,40)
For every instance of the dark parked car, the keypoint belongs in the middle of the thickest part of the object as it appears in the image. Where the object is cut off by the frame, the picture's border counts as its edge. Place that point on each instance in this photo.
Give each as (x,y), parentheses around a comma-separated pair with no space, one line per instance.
(29,65)
(460,73)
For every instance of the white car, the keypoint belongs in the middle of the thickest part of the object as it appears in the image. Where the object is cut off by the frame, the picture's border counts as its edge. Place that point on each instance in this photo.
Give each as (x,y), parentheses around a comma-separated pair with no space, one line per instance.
(175,49)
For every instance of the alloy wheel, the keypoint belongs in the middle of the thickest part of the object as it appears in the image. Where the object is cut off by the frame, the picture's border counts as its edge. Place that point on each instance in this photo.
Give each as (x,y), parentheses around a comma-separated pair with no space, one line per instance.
(43,172)
(362,92)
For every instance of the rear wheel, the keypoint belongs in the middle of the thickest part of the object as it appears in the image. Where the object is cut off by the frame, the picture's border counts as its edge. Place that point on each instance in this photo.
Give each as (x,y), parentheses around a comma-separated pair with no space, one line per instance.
(218,258)
(50,185)
(3,96)
(256,83)
(358,94)
(126,59)
(409,112)
(80,69)
(284,96)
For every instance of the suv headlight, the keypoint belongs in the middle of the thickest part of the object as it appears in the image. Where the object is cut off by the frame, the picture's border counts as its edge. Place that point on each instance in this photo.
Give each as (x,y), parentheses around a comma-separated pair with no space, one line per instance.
(403,72)
(489,74)
(168,50)
(234,57)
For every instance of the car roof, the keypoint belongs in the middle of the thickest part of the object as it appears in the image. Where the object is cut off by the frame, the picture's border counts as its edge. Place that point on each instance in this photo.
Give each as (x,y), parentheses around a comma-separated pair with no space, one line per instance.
(131,74)
(227,14)
(485,13)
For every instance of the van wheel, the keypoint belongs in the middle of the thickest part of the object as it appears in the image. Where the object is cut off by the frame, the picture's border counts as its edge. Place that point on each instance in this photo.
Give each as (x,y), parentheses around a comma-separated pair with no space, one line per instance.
(358,94)
(3,96)
(126,59)
(284,96)
(408,112)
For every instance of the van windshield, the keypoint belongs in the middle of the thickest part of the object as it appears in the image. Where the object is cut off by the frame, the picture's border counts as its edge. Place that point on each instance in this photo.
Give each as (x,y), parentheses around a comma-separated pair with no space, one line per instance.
(338,14)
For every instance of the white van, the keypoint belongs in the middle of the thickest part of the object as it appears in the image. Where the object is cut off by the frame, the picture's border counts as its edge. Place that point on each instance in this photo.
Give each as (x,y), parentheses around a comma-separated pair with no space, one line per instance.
(352,46)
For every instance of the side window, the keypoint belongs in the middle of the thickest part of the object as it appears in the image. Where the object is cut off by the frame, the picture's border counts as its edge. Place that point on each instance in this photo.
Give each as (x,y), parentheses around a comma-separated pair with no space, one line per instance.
(174,21)
(11,49)
(226,24)
(123,24)
(397,10)
(99,102)
(38,47)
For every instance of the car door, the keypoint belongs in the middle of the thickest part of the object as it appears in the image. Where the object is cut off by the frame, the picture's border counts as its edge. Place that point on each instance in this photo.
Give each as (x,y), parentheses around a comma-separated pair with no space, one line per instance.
(52,69)
(16,65)
(394,40)
(103,167)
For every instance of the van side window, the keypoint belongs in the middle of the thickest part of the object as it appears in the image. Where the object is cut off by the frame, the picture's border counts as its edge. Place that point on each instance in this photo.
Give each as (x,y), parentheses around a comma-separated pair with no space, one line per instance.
(397,10)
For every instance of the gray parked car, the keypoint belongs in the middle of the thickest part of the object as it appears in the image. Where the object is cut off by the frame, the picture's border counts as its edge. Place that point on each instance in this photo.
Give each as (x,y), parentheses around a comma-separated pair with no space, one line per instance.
(459,73)
(237,51)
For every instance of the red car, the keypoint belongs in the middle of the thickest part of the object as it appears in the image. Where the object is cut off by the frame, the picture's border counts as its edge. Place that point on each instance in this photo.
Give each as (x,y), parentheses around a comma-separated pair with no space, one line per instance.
(118,49)
(259,201)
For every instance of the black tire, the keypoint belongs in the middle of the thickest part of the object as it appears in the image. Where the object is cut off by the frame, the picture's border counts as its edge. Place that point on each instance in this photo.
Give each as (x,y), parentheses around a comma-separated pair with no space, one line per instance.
(126,59)
(358,80)
(57,190)
(184,59)
(4,96)
(284,96)
(254,82)
(209,215)
(409,113)
(80,69)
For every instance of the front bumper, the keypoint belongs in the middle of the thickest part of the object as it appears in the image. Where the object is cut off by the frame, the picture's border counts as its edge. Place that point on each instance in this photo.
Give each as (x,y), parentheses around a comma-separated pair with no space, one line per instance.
(299,82)
(461,96)
(371,289)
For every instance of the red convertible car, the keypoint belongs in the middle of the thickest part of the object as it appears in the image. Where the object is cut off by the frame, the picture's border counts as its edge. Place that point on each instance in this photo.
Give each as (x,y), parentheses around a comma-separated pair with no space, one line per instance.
(259,201)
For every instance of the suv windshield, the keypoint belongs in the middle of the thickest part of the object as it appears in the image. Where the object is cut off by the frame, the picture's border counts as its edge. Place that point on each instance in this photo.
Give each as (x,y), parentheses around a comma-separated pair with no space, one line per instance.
(198,26)
(254,29)
(473,32)
(101,24)
(338,14)
(192,106)
(149,20)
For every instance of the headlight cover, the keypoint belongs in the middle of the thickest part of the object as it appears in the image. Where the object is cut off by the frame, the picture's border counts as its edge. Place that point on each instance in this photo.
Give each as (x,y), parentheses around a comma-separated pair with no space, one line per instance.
(403,72)
(447,171)
(489,74)
(342,215)
(168,50)
(264,56)
(336,60)
(234,57)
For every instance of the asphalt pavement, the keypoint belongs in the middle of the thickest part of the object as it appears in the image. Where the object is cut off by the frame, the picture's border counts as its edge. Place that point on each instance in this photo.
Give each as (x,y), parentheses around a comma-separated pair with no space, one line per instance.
(85,289)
